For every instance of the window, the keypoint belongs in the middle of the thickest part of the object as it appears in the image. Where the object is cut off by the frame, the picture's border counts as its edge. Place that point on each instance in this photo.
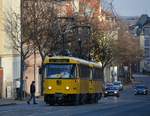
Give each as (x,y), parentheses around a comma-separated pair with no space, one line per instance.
(84,71)
(147,52)
(88,11)
(147,64)
(97,73)
(146,31)
(60,71)
(147,42)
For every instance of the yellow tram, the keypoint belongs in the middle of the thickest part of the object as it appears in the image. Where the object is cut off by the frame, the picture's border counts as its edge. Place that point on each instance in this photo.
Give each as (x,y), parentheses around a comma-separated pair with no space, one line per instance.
(71,80)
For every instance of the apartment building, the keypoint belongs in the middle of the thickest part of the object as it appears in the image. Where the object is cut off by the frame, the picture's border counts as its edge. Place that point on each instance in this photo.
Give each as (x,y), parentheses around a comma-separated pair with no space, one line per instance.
(9,59)
(146,32)
(145,43)
(142,31)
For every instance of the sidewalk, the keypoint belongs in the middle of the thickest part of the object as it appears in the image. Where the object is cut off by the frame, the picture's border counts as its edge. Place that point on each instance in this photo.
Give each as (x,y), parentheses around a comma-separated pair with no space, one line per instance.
(6,102)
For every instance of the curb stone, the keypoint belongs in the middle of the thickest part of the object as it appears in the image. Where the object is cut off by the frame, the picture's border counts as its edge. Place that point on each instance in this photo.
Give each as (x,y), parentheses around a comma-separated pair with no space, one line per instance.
(7,104)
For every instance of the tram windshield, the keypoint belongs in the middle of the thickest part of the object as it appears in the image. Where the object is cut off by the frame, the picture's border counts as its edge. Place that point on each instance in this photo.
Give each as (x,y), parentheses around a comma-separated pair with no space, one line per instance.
(60,71)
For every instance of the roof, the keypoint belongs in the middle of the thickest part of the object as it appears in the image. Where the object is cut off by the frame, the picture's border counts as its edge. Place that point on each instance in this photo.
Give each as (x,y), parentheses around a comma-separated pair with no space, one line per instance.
(142,21)
(74,60)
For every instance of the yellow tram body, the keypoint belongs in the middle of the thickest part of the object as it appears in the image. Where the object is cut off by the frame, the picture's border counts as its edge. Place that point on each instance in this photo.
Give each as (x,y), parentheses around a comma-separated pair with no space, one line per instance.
(79,87)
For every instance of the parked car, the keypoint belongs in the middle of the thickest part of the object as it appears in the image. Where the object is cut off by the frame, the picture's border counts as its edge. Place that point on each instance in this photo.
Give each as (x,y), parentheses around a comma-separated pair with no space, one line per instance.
(140,90)
(111,91)
(118,85)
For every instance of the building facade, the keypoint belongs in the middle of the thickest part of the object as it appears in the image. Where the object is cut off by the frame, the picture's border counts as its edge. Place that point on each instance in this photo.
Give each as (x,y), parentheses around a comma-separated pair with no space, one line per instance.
(9,59)
(145,44)
(91,8)
(142,29)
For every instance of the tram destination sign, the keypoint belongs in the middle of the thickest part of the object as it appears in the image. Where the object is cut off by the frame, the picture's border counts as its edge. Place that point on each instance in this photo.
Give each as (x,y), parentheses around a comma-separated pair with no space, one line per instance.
(58,60)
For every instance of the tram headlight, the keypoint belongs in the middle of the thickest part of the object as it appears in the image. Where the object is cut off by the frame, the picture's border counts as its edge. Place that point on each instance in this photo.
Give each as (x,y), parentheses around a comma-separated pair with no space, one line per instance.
(49,87)
(67,87)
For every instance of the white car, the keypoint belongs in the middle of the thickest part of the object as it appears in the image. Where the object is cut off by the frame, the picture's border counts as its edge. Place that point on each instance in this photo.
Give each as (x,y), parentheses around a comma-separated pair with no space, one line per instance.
(118,85)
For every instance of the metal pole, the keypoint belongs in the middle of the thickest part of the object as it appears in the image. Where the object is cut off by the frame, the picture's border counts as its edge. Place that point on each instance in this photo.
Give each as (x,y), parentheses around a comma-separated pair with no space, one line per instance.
(89,56)
(63,40)
(21,54)
(34,36)
(34,65)
(80,51)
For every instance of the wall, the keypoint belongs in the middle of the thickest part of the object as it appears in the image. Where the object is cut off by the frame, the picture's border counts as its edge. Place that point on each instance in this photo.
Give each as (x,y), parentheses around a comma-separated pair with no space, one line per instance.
(10,72)
(29,74)
(9,59)
(107,76)
(110,74)
(142,47)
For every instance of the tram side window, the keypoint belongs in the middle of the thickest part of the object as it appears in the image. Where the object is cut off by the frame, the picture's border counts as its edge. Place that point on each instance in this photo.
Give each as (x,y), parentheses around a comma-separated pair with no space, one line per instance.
(97,73)
(84,71)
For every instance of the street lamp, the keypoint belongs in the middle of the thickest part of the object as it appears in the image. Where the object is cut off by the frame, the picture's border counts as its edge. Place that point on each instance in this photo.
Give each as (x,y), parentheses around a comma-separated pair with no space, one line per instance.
(80,52)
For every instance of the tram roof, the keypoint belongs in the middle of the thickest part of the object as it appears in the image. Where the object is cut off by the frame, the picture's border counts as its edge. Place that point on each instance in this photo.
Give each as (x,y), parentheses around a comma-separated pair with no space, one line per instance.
(72,60)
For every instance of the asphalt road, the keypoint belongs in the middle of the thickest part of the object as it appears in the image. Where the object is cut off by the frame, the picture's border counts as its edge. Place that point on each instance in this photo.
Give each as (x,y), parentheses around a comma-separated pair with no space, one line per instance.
(126,105)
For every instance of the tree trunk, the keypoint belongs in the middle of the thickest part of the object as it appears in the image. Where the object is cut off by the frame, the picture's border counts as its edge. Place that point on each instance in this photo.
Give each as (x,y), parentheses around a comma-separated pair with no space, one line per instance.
(103,75)
(22,63)
(42,78)
(42,73)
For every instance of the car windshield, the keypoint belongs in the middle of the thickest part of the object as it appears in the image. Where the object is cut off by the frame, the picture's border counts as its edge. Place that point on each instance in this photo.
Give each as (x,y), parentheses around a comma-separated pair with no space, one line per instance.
(111,88)
(109,84)
(116,83)
(60,71)
(140,87)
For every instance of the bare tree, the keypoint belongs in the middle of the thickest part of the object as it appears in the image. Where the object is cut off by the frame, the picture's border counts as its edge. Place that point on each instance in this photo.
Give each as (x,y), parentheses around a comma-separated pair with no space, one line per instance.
(13,29)
(127,51)
(112,42)
(102,50)
(41,26)
(23,46)
(47,28)
(50,31)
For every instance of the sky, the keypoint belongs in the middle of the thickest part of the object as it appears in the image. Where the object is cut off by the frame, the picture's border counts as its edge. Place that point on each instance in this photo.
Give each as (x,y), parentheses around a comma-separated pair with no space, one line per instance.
(132,7)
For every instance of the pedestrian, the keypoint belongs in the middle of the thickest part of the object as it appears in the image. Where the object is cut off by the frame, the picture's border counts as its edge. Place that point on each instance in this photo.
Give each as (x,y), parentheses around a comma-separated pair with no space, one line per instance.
(32,93)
